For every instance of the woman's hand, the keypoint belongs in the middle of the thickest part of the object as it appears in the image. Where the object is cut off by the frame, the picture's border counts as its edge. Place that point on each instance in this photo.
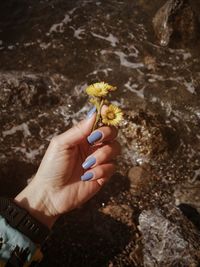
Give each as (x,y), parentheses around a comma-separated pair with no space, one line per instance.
(75,166)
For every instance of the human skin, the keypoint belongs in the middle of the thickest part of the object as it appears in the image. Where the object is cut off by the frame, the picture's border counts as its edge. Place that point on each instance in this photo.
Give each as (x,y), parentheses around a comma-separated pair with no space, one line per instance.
(57,187)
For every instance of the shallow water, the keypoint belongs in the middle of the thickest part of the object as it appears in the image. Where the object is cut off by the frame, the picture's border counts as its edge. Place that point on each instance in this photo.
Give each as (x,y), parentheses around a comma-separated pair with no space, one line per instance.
(51,50)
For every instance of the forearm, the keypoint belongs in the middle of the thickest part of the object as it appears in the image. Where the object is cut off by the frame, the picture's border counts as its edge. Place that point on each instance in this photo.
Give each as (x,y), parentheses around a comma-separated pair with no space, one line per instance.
(35,200)
(24,225)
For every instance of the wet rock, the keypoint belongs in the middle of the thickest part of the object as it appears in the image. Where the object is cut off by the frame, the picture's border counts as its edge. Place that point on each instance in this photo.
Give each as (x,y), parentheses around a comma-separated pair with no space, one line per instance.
(169,243)
(150,62)
(123,213)
(176,19)
(13,11)
(28,90)
(145,134)
(141,179)
(196,7)
(29,118)
(85,41)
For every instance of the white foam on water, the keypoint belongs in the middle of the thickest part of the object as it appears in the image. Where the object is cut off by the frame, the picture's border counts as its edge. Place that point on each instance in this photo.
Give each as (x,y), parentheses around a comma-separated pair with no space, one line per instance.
(30,154)
(44,45)
(110,38)
(11,47)
(28,44)
(198,114)
(22,127)
(80,88)
(78,32)
(95,72)
(155,77)
(65,112)
(124,62)
(134,51)
(132,87)
(189,87)
(180,80)
(197,173)
(60,27)
(186,55)
(163,64)
(82,113)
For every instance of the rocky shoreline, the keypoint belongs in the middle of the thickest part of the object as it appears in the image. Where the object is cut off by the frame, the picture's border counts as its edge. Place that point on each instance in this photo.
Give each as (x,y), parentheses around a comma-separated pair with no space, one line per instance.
(148,214)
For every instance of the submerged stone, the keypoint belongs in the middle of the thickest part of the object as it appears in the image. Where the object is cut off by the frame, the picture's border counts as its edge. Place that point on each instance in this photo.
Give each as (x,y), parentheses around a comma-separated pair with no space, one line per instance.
(49,52)
(177,20)
(146,134)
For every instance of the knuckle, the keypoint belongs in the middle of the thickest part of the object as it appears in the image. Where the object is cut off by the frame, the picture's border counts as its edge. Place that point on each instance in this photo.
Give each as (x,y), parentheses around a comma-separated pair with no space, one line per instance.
(100,172)
(101,181)
(82,130)
(55,141)
(103,153)
(78,128)
(114,131)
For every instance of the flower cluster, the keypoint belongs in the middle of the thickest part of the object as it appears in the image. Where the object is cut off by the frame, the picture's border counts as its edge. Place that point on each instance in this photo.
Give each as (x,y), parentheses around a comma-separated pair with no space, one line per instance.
(98,92)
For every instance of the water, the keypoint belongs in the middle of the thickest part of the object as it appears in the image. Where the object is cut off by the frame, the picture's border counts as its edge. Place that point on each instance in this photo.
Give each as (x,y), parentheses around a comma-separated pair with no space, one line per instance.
(51,50)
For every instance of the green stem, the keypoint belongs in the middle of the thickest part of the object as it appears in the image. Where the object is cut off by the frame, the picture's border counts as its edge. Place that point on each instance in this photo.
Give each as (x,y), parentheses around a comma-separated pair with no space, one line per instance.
(98,116)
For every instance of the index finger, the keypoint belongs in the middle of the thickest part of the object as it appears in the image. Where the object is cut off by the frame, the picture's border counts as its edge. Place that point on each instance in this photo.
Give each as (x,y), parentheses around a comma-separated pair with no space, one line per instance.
(102,134)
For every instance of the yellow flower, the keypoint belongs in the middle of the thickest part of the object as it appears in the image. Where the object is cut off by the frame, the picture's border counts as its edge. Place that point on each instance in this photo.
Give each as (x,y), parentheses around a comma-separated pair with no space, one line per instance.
(99,89)
(95,102)
(112,116)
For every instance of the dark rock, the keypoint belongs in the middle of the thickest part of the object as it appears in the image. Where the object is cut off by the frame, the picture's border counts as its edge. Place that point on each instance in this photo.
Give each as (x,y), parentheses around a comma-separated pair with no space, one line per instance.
(191,213)
(176,19)
(188,193)
(28,118)
(166,243)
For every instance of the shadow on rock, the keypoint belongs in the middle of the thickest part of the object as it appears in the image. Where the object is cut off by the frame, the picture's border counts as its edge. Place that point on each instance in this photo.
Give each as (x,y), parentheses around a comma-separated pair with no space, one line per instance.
(12,14)
(86,236)
(13,176)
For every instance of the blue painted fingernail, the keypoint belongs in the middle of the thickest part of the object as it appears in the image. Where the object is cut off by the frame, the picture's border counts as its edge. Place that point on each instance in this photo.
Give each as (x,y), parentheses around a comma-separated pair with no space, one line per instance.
(97,135)
(91,112)
(87,176)
(89,163)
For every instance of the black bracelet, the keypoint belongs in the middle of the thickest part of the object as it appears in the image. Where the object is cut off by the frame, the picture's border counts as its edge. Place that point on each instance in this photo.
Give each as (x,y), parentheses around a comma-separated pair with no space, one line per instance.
(20,219)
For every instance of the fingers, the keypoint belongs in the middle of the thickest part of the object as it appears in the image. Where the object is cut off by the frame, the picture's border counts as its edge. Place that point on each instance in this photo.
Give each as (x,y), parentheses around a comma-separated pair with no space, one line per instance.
(82,131)
(99,166)
(102,155)
(103,172)
(102,134)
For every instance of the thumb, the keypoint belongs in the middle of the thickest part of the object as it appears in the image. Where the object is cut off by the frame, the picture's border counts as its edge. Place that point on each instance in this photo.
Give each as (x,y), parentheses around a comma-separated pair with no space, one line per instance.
(80,131)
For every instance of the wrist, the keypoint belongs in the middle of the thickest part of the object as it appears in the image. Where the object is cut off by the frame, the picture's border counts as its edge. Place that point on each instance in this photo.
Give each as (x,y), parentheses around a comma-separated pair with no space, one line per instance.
(34,199)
